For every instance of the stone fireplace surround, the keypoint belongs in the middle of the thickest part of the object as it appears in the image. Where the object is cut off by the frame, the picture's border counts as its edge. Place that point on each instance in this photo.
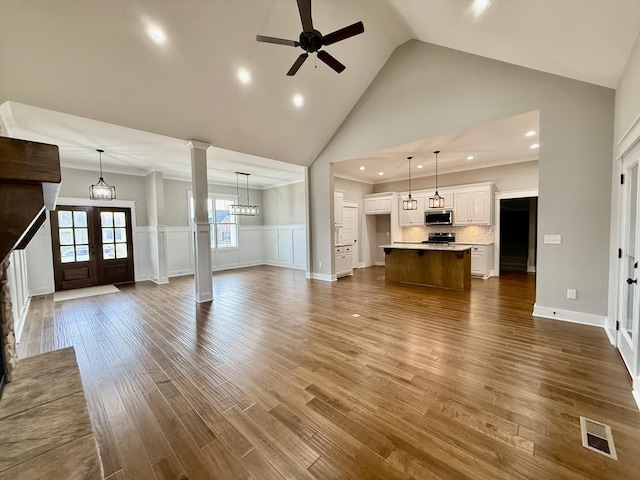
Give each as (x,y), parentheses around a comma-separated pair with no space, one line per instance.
(45,427)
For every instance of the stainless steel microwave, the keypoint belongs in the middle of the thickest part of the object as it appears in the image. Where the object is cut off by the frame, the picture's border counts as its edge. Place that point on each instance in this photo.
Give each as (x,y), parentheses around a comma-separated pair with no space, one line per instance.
(438,217)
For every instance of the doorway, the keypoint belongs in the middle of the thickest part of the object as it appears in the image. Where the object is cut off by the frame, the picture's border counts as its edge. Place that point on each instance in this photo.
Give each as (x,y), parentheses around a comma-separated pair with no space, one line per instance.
(518,229)
(91,246)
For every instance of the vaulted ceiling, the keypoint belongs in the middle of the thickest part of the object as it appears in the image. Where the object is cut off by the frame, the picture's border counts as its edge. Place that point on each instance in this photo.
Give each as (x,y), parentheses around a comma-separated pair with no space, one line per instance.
(96,61)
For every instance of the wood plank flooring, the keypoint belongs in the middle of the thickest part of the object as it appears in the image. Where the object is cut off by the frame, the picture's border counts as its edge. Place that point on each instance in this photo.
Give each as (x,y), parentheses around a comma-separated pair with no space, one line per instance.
(287,378)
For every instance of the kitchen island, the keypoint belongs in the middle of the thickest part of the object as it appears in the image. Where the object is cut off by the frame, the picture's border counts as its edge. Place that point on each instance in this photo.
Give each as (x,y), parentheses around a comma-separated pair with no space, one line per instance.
(429,265)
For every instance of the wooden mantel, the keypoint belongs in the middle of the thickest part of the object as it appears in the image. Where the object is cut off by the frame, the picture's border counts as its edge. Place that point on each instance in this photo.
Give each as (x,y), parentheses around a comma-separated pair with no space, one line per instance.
(29,183)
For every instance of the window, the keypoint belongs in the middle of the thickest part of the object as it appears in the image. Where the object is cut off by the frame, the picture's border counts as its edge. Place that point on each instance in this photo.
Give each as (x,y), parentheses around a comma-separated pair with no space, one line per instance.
(224,227)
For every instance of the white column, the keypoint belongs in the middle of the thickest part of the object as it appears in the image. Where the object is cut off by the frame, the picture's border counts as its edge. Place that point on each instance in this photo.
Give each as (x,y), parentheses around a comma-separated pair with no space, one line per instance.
(201,228)
(154,183)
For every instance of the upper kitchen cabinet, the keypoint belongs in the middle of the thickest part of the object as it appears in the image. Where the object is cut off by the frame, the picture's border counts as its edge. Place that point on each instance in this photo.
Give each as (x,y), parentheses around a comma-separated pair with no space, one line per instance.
(338,200)
(444,193)
(473,205)
(377,203)
(412,218)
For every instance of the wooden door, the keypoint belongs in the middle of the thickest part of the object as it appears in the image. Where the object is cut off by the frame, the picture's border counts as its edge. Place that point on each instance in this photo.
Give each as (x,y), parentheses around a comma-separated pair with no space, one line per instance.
(91,246)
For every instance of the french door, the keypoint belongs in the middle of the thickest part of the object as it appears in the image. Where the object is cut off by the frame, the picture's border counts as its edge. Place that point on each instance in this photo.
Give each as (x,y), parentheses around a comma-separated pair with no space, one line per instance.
(629,291)
(91,246)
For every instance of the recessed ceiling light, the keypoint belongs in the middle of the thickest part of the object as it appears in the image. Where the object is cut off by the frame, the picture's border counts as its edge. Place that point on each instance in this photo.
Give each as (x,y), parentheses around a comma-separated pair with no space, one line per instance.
(419,166)
(244,76)
(381,173)
(481,4)
(534,146)
(157,35)
(530,133)
(470,157)
(361,168)
(298,101)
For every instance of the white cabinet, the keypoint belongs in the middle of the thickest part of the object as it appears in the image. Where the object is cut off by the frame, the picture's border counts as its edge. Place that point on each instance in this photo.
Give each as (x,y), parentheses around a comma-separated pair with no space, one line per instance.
(412,218)
(481,260)
(344,265)
(379,204)
(448,199)
(473,206)
(337,208)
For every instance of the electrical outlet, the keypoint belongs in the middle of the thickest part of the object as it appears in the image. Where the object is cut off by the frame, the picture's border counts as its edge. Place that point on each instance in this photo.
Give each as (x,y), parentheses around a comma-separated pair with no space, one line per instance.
(553,239)
(319,264)
(571,293)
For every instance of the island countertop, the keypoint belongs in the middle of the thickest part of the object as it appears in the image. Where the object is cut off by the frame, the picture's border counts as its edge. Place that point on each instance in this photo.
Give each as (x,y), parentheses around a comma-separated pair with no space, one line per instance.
(427,246)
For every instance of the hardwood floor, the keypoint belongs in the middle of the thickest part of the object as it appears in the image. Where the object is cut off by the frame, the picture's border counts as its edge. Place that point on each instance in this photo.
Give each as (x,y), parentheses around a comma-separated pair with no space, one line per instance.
(283,377)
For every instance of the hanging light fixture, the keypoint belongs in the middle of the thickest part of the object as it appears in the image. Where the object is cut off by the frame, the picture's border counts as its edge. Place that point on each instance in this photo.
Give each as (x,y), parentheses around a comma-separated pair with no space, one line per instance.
(247,209)
(436,201)
(102,190)
(409,203)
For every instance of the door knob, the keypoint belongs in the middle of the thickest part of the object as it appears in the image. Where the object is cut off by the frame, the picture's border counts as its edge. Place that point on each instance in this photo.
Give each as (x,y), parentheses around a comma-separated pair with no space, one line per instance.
(629,281)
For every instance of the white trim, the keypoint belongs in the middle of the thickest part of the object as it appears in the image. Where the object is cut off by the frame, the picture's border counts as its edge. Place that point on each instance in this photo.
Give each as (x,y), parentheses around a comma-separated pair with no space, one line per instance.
(636,397)
(19,325)
(611,334)
(630,137)
(322,276)
(516,194)
(569,316)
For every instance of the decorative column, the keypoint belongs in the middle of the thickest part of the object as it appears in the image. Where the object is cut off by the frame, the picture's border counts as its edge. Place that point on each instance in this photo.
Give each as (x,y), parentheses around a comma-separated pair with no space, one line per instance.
(201,228)
(7,334)
(156,220)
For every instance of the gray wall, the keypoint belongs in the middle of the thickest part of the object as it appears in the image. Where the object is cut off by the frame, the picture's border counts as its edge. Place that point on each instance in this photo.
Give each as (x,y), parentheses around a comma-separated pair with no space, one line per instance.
(517,176)
(426,90)
(76,183)
(284,205)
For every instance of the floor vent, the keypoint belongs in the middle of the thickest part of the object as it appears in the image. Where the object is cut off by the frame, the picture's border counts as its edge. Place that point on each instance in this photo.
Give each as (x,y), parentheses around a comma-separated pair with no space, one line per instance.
(597,437)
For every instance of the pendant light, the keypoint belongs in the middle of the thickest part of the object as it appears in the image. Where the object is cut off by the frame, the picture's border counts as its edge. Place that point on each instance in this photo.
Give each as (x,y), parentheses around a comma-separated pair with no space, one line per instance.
(436,201)
(246,209)
(409,203)
(102,190)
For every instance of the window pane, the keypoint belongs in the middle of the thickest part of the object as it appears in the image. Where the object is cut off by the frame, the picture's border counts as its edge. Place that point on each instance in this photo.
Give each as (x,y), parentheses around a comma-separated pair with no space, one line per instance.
(108,252)
(107,235)
(121,250)
(67,255)
(82,236)
(119,220)
(80,219)
(227,236)
(121,234)
(66,236)
(222,211)
(64,219)
(210,210)
(212,231)
(82,253)
(106,218)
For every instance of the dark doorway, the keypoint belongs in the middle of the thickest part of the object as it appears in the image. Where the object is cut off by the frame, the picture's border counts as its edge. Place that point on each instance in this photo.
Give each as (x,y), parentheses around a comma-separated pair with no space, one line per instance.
(518,229)
(91,246)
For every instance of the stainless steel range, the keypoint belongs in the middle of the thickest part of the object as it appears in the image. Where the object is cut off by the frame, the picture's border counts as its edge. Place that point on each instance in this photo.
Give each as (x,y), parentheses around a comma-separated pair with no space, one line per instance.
(441,238)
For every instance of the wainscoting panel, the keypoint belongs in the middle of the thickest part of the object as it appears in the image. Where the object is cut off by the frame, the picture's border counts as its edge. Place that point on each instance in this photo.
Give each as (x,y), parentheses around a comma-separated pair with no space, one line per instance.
(179,251)
(251,246)
(270,236)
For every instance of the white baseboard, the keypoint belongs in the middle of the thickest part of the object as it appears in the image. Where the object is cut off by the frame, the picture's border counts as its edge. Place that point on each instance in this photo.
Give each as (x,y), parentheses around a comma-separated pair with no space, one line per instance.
(531,269)
(636,397)
(283,265)
(379,264)
(322,276)
(40,291)
(180,273)
(569,316)
(20,324)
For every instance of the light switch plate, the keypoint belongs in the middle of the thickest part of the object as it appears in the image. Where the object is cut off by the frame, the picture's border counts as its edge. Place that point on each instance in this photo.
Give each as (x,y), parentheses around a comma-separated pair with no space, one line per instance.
(553,239)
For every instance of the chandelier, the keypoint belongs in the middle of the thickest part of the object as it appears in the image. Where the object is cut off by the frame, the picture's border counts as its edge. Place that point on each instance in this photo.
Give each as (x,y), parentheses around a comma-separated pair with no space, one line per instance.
(246,209)
(102,190)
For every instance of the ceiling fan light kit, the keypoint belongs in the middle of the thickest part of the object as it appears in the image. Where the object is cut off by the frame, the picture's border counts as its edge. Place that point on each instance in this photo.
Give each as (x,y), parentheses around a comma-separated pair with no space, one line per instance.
(311,40)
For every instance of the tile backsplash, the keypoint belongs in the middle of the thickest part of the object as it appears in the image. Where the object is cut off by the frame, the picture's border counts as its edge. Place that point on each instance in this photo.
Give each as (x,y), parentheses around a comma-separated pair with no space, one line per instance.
(470,234)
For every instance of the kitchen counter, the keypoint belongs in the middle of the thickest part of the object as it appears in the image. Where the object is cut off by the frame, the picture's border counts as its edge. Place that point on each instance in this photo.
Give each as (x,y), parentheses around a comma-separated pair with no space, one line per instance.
(427,246)
(429,265)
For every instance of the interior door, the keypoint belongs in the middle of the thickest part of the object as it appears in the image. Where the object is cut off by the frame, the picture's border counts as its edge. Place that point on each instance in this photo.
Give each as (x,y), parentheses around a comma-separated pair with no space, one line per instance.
(349,230)
(628,292)
(91,246)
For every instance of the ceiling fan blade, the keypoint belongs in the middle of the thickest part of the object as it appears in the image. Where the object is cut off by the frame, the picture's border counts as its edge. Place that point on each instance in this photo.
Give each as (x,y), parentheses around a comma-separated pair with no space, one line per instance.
(279,41)
(346,32)
(304,6)
(297,64)
(331,61)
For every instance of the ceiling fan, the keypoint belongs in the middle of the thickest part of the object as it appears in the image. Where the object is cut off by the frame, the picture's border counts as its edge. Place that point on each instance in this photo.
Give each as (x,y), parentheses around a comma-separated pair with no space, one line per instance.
(311,40)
